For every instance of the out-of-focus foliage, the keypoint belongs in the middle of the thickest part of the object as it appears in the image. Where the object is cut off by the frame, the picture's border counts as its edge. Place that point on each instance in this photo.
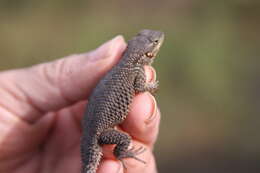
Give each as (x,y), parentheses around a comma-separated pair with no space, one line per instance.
(208,67)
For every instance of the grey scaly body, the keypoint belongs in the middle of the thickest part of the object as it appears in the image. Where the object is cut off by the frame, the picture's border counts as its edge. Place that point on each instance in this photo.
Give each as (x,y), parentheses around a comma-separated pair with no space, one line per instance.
(109,102)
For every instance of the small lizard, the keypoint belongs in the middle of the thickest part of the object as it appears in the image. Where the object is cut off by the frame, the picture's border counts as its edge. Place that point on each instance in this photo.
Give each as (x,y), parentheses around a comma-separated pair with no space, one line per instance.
(110,101)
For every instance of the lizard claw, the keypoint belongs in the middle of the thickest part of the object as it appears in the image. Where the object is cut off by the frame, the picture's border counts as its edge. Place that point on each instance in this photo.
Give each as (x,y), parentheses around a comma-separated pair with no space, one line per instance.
(153,87)
(132,153)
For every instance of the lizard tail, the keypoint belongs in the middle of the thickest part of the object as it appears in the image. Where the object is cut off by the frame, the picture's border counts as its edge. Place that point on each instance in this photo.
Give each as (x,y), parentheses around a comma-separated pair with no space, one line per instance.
(91,155)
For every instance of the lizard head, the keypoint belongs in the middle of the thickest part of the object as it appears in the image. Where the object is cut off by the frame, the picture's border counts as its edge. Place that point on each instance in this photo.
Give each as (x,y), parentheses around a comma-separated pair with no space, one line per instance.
(144,47)
(151,42)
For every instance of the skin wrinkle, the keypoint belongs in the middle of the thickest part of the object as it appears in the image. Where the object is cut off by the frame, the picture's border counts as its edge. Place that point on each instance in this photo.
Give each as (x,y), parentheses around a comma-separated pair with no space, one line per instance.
(65,116)
(33,106)
(66,72)
(79,111)
(12,94)
(74,118)
(80,86)
(44,69)
(22,163)
(9,110)
(74,113)
(20,150)
(18,162)
(34,109)
(50,158)
(43,148)
(51,129)
(10,122)
(61,67)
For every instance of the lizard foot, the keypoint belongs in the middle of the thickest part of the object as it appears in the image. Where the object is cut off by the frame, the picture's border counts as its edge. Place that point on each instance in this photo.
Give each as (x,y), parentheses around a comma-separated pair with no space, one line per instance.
(152,87)
(122,141)
(131,153)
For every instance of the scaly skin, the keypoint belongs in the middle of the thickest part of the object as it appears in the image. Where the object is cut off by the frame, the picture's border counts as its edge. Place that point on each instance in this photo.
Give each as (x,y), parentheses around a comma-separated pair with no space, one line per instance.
(109,103)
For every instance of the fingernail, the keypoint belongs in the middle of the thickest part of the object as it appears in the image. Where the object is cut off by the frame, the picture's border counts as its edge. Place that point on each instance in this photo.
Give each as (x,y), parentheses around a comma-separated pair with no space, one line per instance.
(154,110)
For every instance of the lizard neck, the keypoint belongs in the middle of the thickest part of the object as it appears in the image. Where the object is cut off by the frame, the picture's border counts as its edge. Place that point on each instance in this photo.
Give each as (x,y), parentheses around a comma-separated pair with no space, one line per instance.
(132,59)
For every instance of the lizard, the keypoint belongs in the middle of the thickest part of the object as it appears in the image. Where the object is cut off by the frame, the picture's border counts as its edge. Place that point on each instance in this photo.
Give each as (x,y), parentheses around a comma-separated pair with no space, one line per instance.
(110,101)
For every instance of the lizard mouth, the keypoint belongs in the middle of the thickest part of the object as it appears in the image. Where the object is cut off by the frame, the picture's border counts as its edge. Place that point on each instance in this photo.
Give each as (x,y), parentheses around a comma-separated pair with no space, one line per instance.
(153,53)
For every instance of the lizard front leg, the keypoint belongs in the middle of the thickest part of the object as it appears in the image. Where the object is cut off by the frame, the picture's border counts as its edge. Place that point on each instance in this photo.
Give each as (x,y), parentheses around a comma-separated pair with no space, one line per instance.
(122,141)
(141,85)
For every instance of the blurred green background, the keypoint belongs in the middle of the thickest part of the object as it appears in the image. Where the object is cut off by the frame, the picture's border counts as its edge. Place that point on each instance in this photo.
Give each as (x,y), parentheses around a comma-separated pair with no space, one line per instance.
(208,67)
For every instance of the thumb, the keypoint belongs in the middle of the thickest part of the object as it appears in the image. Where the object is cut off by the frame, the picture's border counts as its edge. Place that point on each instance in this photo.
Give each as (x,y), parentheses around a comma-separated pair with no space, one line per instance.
(30,92)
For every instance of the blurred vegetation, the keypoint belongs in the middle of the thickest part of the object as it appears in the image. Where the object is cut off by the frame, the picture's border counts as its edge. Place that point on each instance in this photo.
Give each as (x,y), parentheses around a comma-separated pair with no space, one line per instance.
(208,67)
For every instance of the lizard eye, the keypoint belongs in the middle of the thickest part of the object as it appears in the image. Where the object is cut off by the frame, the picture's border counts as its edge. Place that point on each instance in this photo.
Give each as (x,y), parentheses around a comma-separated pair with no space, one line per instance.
(156,41)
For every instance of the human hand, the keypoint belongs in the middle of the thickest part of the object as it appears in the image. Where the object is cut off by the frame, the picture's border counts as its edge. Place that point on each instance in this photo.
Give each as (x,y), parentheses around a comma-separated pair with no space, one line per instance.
(41,108)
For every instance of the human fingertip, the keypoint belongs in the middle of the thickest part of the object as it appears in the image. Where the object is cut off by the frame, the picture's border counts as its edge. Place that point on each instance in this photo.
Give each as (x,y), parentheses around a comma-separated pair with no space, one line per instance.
(117,45)
(142,112)
(108,49)
(118,38)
